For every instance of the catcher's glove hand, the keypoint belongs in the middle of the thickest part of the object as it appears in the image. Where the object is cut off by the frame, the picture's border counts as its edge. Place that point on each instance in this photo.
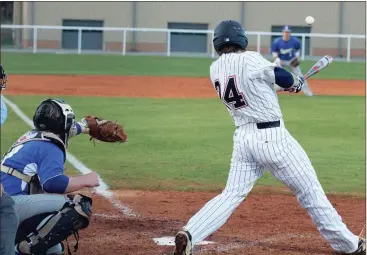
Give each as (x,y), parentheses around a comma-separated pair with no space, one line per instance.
(105,130)
(294,62)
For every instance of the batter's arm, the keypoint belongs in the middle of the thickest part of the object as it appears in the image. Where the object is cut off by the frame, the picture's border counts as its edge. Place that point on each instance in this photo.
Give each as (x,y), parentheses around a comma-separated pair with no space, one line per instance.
(288,81)
(283,78)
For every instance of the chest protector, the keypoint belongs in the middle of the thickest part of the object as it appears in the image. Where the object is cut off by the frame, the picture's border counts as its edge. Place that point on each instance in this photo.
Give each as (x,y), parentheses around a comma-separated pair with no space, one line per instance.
(33,135)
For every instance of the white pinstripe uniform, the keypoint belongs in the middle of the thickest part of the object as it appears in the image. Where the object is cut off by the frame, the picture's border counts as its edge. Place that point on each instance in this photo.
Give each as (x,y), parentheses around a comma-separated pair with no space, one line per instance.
(245,84)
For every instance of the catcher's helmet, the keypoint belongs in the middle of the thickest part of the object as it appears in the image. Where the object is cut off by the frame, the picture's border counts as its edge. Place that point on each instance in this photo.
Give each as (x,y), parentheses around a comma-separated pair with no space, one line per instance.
(229,32)
(55,116)
(3,78)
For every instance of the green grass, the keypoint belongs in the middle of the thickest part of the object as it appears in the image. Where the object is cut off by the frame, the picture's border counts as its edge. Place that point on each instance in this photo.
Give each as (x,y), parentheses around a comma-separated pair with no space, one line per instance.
(25,63)
(187,144)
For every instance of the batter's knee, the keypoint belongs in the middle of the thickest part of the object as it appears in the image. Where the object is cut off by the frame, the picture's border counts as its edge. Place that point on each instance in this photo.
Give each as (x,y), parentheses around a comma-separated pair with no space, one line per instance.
(235,193)
(40,233)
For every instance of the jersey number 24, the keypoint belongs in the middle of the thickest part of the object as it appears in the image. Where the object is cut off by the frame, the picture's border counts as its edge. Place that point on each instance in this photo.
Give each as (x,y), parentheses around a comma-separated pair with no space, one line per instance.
(231,97)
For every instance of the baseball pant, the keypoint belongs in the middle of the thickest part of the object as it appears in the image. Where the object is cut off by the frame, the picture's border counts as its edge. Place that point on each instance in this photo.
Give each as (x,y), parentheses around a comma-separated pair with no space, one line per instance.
(28,206)
(254,151)
(8,225)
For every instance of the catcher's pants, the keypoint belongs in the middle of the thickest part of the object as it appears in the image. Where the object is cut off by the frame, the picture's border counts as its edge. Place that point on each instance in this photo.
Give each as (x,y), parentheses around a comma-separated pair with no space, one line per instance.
(8,225)
(254,151)
(28,206)
(297,71)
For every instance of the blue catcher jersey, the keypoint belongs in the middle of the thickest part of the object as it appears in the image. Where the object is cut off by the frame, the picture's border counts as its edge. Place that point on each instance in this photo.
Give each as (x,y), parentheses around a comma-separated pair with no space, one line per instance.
(34,157)
(286,49)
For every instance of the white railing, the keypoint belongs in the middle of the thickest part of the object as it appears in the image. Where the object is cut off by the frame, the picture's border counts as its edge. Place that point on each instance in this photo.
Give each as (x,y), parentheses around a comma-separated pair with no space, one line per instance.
(35,37)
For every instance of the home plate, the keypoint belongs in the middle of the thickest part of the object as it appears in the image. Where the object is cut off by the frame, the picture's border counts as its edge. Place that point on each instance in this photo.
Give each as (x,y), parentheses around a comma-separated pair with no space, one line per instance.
(170,241)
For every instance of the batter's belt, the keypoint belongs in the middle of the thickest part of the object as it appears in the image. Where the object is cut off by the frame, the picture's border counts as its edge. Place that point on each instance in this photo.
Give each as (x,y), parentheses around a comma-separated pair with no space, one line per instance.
(271,124)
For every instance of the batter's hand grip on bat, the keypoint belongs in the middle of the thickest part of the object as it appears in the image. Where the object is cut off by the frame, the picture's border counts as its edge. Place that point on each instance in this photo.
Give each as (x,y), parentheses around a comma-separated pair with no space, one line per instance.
(321,64)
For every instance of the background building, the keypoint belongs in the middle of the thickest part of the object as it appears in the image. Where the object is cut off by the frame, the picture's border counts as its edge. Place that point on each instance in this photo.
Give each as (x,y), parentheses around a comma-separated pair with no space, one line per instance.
(331,18)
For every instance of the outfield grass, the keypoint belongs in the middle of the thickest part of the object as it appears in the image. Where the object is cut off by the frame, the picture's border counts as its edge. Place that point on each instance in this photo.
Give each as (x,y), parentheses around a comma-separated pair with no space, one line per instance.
(26,63)
(187,143)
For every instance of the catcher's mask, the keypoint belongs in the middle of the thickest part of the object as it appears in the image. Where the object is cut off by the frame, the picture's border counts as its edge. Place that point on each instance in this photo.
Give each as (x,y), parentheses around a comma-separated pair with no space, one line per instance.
(3,78)
(56,116)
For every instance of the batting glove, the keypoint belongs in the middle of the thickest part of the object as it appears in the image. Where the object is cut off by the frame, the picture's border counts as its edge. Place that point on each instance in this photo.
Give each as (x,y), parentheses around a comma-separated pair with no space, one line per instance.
(297,86)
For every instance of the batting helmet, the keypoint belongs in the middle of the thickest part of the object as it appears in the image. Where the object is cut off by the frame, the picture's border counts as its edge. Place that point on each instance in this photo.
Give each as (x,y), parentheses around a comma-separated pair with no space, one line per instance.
(229,32)
(55,116)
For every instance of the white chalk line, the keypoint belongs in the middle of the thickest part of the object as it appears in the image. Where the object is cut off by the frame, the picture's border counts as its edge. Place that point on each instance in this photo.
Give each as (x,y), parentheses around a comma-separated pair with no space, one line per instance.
(102,190)
(106,216)
(276,238)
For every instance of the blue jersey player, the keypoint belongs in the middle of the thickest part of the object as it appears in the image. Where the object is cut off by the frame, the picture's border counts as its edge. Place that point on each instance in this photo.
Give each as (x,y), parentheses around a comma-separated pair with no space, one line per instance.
(286,51)
(32,172)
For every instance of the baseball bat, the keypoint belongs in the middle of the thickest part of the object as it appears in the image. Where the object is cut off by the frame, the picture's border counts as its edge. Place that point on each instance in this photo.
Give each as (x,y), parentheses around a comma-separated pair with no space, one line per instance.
(317,67)
(320,65)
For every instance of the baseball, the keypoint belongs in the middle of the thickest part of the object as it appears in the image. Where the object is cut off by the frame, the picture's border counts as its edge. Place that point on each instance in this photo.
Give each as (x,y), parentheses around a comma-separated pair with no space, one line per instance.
(310,20)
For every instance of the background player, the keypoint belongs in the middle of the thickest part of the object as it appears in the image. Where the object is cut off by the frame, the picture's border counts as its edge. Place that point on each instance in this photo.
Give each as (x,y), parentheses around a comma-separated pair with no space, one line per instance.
(8,217)
(286,51)
(244,81)
(34,165)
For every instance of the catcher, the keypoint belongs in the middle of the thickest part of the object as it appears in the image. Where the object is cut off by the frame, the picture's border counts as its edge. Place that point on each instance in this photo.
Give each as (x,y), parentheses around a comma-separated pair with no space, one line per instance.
(34,166)
(286,51)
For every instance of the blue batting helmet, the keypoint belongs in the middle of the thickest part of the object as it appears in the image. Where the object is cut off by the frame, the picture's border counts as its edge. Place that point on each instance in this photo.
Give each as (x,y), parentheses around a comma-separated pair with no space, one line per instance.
(229,32)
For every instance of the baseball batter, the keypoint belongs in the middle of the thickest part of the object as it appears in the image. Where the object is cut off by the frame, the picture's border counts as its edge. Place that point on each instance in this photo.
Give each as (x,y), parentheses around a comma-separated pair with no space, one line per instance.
(286,51)
(244,81)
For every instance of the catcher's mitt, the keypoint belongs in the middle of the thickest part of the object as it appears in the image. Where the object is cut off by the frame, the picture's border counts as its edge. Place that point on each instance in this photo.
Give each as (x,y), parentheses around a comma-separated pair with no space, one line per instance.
(294,62)
(105,130)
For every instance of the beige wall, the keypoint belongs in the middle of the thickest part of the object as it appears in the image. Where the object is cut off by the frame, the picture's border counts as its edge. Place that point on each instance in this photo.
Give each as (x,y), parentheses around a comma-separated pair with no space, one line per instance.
(293,13)
(158,14)
(354,23)
(150,15)
(258,16)
(355,14)
(114,14)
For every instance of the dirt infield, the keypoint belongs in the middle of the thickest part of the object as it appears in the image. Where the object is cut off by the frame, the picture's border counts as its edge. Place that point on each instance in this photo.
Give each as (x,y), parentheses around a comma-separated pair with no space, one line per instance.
(269,222)
(145,86)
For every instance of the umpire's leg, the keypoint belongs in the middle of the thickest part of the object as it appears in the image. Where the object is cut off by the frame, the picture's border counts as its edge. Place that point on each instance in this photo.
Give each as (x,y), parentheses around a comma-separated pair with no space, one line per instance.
(8,225)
